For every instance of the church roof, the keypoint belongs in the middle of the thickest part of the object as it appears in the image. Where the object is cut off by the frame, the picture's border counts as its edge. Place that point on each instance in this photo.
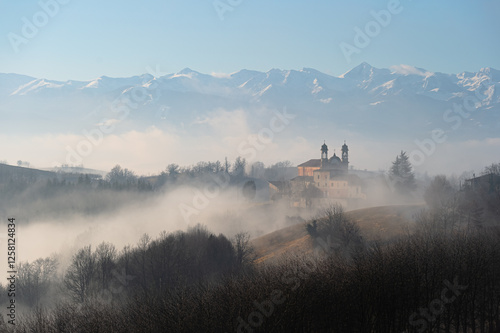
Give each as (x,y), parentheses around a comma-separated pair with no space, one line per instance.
(302,179)
(315,162)
(335,158)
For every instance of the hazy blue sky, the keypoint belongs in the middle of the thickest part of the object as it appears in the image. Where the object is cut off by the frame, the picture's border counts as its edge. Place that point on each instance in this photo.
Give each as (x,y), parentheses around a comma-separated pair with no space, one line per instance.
(87,39)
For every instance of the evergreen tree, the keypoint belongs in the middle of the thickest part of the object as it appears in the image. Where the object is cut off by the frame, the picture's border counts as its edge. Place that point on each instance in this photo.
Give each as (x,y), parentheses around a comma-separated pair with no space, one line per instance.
(402,175)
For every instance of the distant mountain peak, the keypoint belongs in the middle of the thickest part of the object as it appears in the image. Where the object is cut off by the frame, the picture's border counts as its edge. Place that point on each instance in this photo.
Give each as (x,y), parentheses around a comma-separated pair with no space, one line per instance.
(275,70)
(364,98)
(275,83)
(409,70)
(187,71)
(362,70)
(245,72)
(493,73)
(310,70)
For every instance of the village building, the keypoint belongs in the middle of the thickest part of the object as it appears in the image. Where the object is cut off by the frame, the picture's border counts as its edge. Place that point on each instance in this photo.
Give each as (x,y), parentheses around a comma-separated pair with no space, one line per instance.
(331,178)
(488,183)
(306,169)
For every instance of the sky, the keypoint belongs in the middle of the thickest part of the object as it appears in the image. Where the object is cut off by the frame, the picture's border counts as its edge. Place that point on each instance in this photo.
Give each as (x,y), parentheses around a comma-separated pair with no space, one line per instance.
(83,40)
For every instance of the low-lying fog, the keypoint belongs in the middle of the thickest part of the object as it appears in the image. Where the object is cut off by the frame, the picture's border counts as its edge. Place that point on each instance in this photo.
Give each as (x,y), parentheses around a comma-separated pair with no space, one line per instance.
(66,222)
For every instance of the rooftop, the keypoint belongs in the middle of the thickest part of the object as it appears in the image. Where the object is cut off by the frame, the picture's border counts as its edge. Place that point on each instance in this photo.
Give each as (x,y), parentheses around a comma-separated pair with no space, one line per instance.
(315,162)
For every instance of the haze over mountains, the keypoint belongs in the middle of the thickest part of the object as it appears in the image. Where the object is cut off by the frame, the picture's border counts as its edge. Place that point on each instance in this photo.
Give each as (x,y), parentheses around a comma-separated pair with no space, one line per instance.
(402,103)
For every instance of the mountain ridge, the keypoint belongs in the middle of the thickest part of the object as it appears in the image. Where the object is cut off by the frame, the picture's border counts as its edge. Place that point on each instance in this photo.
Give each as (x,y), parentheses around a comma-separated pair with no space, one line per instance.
(363,99)
(363,76)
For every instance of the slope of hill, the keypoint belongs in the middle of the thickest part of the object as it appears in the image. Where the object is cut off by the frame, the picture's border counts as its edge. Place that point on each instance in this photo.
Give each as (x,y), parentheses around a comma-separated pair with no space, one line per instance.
(376,223)
(8,172)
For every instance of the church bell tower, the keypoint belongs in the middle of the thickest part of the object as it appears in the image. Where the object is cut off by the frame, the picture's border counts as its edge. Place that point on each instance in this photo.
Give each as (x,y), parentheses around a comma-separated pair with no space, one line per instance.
(345,156)
(324,155)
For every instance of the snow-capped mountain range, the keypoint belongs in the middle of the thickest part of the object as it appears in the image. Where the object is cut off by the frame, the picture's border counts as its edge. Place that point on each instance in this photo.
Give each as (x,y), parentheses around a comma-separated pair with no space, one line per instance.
(395,101)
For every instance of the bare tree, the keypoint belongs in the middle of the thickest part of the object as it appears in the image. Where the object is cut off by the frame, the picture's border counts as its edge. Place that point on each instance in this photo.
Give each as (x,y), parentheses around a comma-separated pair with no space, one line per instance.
(119,177)
(141,259)
(440,192)
(494,168)
(278,171)
(34,279)
(239,166)
(105,258)
(337,229)
(227,165)
(173,170)
(245,253)
(80,274)
(257,170)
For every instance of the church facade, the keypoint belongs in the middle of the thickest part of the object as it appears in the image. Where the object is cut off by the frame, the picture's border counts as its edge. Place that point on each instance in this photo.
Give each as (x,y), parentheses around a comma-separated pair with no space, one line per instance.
(331,177)
(334,163)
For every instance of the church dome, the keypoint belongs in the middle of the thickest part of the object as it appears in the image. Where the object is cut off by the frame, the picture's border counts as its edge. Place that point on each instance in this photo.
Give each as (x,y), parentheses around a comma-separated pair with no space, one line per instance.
(335,159)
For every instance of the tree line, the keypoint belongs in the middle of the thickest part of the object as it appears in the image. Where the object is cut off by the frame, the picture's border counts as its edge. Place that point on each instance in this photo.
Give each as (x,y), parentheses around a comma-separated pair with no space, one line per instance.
(447,280)
(152,267)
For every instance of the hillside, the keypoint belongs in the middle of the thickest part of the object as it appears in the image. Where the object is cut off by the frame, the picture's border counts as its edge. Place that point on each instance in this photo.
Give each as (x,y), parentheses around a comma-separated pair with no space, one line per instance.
(376,223)
(8,172)
(30,175)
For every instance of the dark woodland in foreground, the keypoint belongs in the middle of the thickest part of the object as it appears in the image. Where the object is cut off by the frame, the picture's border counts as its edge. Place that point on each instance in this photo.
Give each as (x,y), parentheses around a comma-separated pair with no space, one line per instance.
(446,282)
(443,275)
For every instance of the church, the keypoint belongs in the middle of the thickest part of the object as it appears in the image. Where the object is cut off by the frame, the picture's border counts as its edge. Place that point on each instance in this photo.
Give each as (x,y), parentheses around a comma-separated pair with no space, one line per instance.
(340,166)
(331,176)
